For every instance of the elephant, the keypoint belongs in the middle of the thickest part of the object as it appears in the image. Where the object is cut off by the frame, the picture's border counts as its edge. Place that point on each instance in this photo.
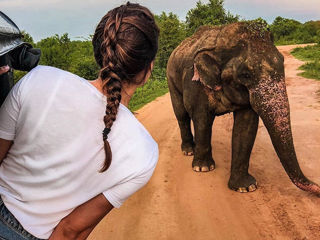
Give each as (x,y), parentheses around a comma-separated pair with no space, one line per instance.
(233,68)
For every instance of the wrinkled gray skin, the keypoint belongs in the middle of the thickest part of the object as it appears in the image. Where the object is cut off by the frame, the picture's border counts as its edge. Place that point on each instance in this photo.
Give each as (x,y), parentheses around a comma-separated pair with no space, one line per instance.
(233,68)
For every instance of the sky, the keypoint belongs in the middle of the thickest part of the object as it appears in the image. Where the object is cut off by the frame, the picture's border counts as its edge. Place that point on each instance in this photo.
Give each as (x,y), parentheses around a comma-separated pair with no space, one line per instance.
(78,18)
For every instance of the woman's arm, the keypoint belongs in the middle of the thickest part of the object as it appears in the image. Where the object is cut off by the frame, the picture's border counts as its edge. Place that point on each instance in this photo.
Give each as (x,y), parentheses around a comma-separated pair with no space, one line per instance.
(4,148)
(82,220)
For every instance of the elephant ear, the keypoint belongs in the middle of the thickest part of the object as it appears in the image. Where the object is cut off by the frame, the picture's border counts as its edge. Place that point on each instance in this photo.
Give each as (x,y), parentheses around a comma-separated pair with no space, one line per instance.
(206,70)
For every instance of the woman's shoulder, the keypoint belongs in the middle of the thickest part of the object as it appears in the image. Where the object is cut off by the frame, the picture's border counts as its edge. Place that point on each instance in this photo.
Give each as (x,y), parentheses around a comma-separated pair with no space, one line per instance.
(133,128)
(134,137)
(44,77)
(45,69)
(45,74)
(48,72)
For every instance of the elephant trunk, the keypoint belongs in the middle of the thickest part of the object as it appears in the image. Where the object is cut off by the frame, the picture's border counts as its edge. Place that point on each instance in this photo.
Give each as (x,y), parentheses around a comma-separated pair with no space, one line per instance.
(269,99)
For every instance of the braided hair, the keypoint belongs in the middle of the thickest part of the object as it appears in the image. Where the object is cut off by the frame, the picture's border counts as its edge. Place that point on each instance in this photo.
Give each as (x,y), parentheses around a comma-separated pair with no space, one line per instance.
(125,43)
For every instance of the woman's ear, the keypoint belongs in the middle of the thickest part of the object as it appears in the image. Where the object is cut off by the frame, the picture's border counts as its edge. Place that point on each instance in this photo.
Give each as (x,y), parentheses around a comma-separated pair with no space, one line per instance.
(145,74)
(149,72)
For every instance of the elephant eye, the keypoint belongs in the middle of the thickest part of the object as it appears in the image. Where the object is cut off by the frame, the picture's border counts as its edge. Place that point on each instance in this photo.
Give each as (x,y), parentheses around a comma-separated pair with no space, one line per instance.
(245,75)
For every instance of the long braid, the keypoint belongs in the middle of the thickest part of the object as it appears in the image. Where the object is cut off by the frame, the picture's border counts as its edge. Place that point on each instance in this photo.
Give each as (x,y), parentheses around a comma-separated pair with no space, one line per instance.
(125,42)
(111,75)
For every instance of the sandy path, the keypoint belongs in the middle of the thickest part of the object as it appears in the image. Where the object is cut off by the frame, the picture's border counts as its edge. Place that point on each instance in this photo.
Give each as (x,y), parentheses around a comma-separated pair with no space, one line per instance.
(179,204)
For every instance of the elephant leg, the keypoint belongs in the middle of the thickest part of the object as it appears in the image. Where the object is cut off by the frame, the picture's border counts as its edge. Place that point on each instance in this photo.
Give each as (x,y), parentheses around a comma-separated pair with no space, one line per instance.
(202,120)
(184,121)
(243,136)
(187,144)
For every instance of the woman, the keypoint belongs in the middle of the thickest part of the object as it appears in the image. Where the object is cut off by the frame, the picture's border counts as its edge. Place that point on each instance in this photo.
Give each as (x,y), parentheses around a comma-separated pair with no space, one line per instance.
(59,175)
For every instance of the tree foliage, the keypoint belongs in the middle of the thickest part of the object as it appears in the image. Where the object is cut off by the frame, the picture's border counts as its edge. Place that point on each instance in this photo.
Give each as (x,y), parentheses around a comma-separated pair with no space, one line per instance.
(212,13)
(282,27)
(27,37)
(172,32)
(290,31)
(74,56)
(56,51)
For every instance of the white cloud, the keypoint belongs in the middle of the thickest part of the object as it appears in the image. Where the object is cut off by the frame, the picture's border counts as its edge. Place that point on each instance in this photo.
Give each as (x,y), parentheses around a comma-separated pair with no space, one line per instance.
(302,10)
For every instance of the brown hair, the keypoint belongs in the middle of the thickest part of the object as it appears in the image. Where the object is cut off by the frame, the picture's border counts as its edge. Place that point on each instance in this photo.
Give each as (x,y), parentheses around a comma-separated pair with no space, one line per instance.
(125,43)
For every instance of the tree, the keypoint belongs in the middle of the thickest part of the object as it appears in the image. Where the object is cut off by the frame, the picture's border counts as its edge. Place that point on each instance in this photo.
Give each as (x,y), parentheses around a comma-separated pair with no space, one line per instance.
(83,62)
(55,51)
(282,27)
(172,32)
(27,37)
(212,13)
(312,26)
(290,31)
(313,29)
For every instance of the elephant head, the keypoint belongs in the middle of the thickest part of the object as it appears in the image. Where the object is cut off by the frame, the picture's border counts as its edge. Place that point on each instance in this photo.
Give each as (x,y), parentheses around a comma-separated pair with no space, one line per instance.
(244,55)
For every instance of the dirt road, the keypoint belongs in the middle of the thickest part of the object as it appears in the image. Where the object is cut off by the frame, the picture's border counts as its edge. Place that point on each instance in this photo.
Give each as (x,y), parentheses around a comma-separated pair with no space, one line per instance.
(179,204)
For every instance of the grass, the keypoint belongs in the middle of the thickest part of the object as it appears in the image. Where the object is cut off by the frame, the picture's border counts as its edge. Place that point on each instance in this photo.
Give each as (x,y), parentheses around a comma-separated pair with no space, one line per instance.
(155,87)
(310,54)
(311,70)
(282,42)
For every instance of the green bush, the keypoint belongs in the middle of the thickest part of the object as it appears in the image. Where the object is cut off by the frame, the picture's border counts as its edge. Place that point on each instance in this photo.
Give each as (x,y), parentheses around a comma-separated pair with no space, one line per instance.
(311,54)
(172,33)
(311,70)
(155,87)
(211,13)
(289,31)
(308,53)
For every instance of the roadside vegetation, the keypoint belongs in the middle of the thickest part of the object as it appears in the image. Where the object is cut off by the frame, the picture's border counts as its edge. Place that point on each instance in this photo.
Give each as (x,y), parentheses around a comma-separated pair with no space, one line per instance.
(155,87)
(76,56)
(310,54)
(289,31)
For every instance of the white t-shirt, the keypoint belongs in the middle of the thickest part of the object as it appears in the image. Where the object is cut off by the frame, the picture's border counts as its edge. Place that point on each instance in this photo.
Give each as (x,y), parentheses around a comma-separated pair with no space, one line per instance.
(56,121)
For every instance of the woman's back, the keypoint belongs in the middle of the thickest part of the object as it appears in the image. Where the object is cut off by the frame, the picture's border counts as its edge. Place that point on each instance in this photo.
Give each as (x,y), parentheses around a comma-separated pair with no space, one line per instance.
(53,166)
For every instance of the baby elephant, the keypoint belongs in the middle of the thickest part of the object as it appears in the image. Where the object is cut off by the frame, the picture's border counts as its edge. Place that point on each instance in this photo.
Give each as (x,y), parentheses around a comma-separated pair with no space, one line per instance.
(233,68)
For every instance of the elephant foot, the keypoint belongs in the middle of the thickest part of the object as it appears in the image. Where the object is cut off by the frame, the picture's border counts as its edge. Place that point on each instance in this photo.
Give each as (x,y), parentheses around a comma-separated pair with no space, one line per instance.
(187,153)
(187,149)
(203,166)
(243,183)
(308,186)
